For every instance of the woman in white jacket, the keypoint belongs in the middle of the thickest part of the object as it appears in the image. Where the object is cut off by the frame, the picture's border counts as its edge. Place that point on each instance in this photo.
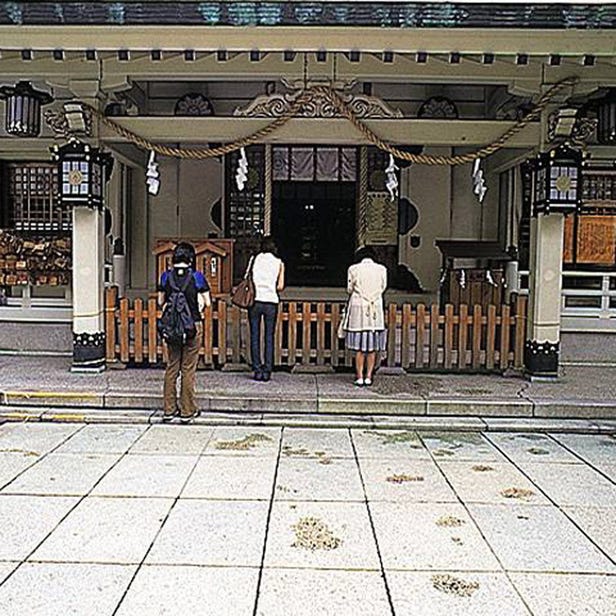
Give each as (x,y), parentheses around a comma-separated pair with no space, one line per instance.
(364,321)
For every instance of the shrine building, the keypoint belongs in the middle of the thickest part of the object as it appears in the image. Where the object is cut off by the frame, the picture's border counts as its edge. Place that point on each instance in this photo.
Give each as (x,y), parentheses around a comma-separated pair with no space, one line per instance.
(472,145)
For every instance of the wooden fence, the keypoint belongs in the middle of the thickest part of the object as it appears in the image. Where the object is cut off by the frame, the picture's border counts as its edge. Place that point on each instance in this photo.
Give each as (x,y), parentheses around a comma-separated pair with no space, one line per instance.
(419,337)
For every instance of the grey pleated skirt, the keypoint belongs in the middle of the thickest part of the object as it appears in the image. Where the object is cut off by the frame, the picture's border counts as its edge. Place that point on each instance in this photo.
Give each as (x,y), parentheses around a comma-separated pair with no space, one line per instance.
(366,341)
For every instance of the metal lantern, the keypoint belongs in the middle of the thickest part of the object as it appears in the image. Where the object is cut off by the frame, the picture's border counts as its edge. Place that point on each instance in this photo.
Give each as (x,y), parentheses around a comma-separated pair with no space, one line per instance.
(606,116)
(82,172)
(23,109)
(557,186)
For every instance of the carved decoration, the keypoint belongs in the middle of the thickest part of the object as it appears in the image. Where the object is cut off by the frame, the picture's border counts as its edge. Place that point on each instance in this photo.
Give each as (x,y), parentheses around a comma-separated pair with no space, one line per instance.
(319,104)
(515,108)
(194,104)
(72,120)
(437,107)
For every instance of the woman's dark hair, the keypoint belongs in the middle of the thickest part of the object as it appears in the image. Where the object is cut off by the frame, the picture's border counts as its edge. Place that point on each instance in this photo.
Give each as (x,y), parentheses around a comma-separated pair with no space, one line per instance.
(184,253)
(365,252)
(269,245)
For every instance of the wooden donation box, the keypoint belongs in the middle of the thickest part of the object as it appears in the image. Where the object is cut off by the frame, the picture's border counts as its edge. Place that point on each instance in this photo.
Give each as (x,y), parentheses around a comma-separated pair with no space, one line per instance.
(473,272)
(214,257)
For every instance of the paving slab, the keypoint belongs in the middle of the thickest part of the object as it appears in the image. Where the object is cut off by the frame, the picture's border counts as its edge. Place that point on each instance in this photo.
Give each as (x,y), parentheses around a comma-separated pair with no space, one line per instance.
(567,594)
(405,481)
(532,539)
(37,516)
(244,441)
(483,408)
(39,438)
(591,409)
(232,477)
(531,447)
(318,478)
(598,523)
(6,568)
(181,440)
(58,589)
(572,484)
(63,474)
(183,590)
(14,462)
(106,530)
(370,405)
(492,482)
(385,444)
(460,446)
(597,450)
(539,424)
(213,533)
(306,592)
(419,536)
(341,531)
(102,439)
(417,593)
(147,475)
(334,443)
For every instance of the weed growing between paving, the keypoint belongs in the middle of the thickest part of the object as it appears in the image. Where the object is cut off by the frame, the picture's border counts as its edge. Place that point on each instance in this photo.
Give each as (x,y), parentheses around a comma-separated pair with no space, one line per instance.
(519,493)
(403,478)
(313,534)
(454,585)
(320,456)
(242,444)
(482,468)
(394,438)
(538,451)
(450,521)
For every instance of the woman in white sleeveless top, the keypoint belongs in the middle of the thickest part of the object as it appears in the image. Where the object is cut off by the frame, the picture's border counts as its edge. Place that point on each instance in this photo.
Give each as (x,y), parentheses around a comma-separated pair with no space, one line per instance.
(268,278)
(365,321)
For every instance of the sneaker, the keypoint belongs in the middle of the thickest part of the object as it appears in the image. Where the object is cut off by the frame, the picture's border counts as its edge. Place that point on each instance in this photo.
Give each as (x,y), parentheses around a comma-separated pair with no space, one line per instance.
(169,416)
(367,381)
(188,419)
(266,376)
(257,376)
(359,382)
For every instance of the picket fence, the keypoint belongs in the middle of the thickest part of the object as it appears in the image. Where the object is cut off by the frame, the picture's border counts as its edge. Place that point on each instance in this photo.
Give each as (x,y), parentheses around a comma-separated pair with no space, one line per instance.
(420,338)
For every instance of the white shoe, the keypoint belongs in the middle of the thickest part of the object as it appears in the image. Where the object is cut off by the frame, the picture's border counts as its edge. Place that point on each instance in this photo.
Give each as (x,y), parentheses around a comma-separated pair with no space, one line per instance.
(359,382)
(367,382)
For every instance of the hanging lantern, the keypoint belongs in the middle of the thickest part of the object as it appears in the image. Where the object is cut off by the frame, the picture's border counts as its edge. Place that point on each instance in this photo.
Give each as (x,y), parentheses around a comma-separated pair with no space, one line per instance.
(557,181)
(83,172)
(23,109)
(606,116)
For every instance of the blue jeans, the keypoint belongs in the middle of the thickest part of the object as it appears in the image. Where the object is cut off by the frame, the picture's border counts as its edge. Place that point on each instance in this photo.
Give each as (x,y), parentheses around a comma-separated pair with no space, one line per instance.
(267,311)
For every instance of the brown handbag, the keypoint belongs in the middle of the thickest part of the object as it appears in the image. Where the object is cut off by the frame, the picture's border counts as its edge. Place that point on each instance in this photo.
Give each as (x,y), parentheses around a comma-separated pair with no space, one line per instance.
(244,294)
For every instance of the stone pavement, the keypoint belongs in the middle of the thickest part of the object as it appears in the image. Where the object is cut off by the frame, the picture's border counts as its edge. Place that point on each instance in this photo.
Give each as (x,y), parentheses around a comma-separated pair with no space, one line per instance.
(134,520)
(35,384)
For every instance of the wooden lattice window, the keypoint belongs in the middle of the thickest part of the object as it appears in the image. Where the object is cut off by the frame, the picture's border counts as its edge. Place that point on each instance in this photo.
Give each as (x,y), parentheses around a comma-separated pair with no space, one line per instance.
(245,208)
(33,204)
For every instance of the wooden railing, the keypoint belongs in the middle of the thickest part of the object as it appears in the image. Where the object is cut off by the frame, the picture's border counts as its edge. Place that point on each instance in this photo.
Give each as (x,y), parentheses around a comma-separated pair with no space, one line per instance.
(419,337)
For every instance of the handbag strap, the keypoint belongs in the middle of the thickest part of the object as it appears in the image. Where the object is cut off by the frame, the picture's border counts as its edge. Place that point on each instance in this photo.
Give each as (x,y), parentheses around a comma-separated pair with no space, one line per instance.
(248,273)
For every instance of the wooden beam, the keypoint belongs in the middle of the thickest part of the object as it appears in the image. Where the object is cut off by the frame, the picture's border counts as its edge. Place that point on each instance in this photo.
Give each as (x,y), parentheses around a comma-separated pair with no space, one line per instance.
(334,38)
(323,130)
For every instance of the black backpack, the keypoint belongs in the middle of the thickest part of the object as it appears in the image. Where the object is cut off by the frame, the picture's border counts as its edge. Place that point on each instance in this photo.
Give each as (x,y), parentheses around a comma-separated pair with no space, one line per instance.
(177,325)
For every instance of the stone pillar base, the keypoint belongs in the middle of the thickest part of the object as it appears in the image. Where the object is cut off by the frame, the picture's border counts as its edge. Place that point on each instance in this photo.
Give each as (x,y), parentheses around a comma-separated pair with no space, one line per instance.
(88,352)
(541,358)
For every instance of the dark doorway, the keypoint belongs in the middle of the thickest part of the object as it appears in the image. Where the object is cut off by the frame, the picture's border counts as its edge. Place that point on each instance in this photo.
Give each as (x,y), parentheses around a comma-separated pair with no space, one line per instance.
(313,224)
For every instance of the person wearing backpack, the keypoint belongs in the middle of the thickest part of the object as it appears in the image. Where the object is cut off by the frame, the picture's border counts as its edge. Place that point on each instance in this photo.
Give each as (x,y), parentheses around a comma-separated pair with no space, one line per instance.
(183,294)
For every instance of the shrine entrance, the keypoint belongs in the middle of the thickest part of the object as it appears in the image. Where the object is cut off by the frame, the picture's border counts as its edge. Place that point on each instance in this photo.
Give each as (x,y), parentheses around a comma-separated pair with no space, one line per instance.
(314,196)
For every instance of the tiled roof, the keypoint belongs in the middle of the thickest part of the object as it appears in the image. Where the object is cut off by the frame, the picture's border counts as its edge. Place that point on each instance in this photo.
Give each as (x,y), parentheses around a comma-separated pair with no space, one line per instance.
(280,13)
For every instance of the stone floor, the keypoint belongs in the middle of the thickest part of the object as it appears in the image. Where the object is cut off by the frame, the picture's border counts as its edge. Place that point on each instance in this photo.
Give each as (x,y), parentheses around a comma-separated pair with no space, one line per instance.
(165,519)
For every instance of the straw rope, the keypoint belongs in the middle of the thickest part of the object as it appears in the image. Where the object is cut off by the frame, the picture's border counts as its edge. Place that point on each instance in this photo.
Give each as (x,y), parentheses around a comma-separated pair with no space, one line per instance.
(343,109)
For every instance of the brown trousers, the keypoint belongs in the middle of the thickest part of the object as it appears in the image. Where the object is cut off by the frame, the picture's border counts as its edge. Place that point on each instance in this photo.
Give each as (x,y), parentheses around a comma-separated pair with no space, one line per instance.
(182,360)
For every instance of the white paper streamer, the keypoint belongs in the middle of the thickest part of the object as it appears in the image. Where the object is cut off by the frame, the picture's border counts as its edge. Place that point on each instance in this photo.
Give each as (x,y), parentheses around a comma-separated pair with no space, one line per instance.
(241,175)
(490,278)
(462,279)
(479,185)
(152,175)
(392,179)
